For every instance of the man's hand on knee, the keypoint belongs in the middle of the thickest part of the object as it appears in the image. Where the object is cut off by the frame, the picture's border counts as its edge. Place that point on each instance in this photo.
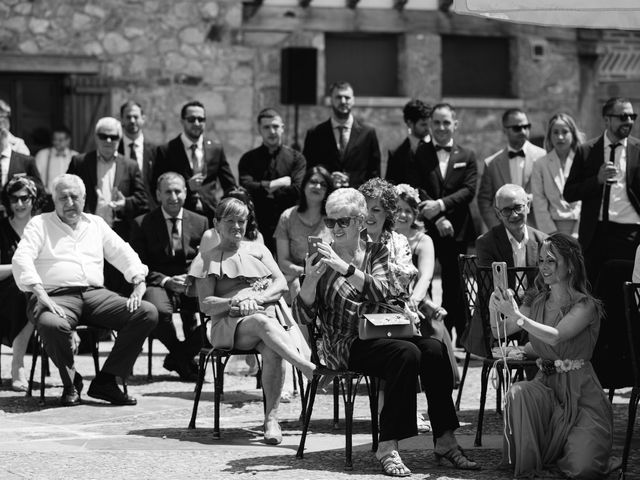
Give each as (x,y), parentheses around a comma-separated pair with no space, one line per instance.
(46,303)
(135,299)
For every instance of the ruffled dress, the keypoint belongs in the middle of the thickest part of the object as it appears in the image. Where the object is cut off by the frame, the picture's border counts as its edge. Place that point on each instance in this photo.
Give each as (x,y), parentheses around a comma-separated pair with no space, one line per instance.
(240,271)
(560,424)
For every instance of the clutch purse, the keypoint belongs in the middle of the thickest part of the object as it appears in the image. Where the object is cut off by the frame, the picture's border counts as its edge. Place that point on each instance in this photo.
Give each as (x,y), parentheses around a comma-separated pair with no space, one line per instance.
(396,323)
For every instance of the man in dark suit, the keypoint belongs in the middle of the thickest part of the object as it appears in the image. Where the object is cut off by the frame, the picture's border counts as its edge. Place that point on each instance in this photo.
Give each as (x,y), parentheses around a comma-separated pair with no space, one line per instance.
(13,163)
(401,163)
(606,177)
(447,173)
(167,239)
(134,147)
(342,143)
(201,161)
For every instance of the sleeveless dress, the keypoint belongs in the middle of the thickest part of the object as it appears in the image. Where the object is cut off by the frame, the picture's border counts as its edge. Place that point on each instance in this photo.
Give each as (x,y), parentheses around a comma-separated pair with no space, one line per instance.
(14,302)
(562,422)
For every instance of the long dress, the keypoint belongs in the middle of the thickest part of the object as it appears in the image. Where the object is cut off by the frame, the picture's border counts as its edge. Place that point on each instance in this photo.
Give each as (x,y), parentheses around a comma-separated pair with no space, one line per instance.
(14,302)
(562,422)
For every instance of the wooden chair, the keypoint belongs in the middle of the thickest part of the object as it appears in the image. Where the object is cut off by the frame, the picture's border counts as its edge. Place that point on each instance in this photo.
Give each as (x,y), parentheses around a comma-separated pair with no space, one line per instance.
(632,315)
(477,285)
(348,382)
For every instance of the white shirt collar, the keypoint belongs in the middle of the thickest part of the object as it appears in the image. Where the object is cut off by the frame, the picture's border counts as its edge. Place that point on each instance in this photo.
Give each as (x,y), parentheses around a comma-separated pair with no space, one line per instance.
(169,217)
(515,242)
(347,123)
(187,142)
(138,142)
(6,152)
(607,142)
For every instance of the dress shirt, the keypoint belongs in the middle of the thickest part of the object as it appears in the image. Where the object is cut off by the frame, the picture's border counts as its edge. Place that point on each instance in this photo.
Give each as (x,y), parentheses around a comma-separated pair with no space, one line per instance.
(187,142)
(443,158)
(620,208)
(519,249)
(51,163)
(106,176)
(55,255)
(5,159)
(335,126)
(138,147)
(414,142)
(516,168)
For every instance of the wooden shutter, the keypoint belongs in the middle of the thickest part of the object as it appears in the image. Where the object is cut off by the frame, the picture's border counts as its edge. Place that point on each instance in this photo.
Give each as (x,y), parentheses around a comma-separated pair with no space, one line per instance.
(88,99)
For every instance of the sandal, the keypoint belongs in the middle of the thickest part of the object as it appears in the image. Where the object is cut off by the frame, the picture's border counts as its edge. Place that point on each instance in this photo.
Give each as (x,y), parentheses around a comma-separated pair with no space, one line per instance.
(393,466)
(272,433)
(457,458)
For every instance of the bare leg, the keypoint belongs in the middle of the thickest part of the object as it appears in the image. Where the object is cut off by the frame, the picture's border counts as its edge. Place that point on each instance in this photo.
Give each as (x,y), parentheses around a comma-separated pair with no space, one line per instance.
(272,381)
(19,347)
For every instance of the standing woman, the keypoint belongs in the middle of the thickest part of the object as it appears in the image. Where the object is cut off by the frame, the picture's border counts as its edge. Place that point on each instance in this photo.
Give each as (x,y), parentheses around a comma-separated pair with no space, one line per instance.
(21,199)
(552,212)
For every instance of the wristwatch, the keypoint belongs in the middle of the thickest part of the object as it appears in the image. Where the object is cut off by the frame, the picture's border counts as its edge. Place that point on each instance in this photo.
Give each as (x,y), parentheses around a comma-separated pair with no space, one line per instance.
(520,322)
(350,270)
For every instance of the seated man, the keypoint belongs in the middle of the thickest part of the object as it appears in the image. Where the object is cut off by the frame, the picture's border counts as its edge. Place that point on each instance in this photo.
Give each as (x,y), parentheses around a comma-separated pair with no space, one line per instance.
(60,261)
(167,240)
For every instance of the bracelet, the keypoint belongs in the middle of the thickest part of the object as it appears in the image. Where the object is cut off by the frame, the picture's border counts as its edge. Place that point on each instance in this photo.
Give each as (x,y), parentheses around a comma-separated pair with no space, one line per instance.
(350,270)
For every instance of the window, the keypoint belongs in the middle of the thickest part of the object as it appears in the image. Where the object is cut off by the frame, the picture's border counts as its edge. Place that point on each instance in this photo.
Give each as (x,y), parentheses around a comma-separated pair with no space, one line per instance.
(475,67)
(369,62)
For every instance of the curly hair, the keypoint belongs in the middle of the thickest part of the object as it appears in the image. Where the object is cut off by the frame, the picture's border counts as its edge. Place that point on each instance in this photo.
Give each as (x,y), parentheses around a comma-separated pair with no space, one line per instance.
(409,195)
(31,185)
(385,191)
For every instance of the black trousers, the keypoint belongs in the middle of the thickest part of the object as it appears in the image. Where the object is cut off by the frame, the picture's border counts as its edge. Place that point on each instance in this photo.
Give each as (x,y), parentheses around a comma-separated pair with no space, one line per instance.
(398,363)
(447,250)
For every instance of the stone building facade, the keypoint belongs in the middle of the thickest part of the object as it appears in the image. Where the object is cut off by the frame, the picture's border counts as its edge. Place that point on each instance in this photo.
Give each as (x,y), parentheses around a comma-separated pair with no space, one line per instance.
(226,53)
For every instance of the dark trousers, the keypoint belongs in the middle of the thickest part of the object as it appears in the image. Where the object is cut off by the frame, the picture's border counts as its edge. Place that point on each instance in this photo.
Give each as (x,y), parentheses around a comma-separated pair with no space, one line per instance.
(166,331)
(398,363)
(97,307)
(447,250)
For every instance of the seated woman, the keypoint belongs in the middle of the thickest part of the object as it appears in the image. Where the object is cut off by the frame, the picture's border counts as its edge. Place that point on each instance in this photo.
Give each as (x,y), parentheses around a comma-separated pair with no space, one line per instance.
(297,223)
(21,199)
(423,257)
(238,288)
(560,420)
(352,278)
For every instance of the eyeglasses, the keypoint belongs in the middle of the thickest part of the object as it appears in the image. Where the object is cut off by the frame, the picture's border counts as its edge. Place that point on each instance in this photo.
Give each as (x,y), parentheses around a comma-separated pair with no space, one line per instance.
(343,222)
(519,128)
(20,198)
(193,119)
(106,136)
(319,183)
(623,117)
(508,211)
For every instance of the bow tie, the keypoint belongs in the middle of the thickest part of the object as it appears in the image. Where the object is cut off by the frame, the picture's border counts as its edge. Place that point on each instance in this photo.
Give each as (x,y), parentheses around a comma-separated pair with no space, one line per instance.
(440,147)
(519,153)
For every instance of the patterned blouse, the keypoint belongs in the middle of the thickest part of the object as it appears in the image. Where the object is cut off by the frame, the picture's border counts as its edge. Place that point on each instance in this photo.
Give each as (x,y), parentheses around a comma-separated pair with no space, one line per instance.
(402,271)
(338,305)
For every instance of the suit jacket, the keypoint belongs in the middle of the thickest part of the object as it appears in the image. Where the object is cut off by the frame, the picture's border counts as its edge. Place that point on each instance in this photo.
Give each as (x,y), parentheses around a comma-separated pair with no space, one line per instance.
(547,185)
(128,180)
(496,173)
(171,157)
(148,160)
(494,246)
(582,183)
(361,157)
(401,164)
(20,164)
(456,189)
(150,239)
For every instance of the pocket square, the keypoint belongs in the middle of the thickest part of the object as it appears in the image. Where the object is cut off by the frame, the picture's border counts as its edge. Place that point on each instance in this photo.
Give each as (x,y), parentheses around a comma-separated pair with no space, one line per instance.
(460,165)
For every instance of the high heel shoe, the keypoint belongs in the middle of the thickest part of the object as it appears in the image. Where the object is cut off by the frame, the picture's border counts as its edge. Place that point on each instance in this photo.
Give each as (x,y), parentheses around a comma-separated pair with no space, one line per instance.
(457,458)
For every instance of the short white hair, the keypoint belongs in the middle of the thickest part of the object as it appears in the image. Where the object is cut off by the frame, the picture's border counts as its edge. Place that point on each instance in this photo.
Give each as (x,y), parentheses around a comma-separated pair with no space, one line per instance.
(108,122)
(509,189)
(347,197)
(69,180)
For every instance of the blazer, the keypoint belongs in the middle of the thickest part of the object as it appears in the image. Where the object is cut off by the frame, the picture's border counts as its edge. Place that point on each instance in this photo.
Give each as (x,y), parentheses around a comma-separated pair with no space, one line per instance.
(361,157)
(401,165)
(20,164)
(148,160)
(582,183)
(150,239)
(456,189)
(496,173)
(171,157)
(128,180)
(547,185)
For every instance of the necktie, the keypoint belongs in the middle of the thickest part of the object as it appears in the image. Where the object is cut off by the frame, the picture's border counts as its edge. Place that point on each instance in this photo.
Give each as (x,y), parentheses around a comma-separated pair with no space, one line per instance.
(607,185)
(194,159)
(519,153)
(442,147)
(132,152)
(342,145)
(176,241)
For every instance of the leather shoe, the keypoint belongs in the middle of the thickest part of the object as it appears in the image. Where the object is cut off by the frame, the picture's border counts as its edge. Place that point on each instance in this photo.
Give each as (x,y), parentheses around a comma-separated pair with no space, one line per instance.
(110,392)
(181,367)
(70,396)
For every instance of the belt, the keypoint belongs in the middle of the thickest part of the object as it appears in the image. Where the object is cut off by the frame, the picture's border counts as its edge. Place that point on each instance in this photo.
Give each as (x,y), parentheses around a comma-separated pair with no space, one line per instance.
(549,367)
(70,290)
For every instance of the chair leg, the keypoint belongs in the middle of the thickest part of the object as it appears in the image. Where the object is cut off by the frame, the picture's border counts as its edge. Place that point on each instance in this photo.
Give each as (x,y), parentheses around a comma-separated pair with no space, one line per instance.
(310,396)
(336,403)
(218,382)
(44,361)
(303,401)
(149,357)
(294,379)
(35,349)
(467,358)
(349,386)
(95,350)
(631,420)
(374,387)
(202,367)
(499,389)
(484,379)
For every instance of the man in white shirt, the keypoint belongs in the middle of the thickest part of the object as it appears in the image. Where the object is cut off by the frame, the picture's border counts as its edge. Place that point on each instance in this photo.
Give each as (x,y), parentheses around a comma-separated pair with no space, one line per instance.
(60,262)
(17,144)
(55,160)
(512,164)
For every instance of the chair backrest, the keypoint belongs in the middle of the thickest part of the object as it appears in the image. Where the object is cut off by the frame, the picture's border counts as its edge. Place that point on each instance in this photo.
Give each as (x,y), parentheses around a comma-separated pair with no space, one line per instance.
(632,315)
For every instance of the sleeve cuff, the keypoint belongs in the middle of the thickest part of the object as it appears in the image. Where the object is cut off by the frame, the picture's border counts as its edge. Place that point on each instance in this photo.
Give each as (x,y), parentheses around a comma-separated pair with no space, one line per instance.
(164,281)
(441,203)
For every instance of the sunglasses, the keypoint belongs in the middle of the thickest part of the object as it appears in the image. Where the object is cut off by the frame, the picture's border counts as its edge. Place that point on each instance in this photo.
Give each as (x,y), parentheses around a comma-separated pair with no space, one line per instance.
(192,119)
(519,128)
(343,222)
(508,211)
(106,136)
(623,117)
(20,198)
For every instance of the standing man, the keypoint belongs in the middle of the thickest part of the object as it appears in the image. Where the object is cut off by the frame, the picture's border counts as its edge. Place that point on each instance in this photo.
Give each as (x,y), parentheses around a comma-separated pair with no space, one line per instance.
(401,163)
(55,160)
(342,143)
(15,143)
(201,161)
(448,176)
(606,177)
(272,174)
(510,165)
(167,240)
(134,147)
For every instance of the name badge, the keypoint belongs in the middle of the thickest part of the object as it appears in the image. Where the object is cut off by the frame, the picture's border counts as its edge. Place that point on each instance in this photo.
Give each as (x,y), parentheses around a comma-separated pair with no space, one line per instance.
(459,165)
